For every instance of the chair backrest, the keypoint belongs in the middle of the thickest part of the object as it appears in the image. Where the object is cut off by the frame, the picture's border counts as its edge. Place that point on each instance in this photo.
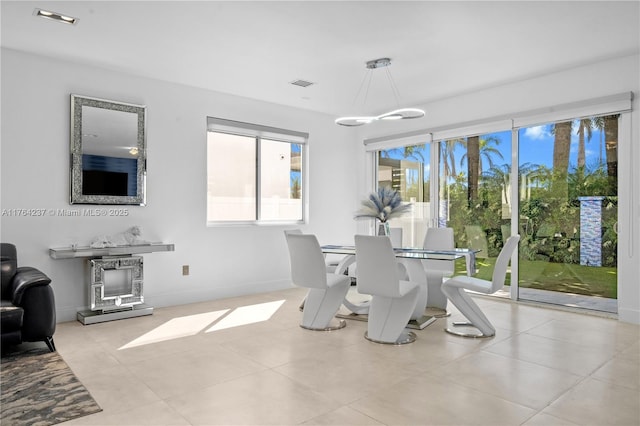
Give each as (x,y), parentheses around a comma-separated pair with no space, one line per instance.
(377,267)
(396,236)
(439,239)
(307,261)
(9,256)
(500,269)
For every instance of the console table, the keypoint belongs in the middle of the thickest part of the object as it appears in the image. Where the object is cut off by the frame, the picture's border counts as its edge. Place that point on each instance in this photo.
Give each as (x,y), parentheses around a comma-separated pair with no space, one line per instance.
(115,280)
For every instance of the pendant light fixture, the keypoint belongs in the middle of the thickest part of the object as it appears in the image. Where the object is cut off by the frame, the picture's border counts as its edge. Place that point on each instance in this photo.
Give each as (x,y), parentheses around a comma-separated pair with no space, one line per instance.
(396,114)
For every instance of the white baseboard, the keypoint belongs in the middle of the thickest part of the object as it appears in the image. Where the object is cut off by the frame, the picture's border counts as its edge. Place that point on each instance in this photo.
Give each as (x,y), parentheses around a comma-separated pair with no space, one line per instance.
(628,315)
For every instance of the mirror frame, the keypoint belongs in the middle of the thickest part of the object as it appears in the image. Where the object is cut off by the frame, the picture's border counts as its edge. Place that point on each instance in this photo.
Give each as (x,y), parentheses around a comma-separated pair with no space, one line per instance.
(77,197)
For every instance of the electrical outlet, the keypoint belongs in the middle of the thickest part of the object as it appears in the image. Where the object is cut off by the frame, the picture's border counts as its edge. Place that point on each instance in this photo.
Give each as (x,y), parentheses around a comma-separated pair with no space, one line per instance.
(185,269)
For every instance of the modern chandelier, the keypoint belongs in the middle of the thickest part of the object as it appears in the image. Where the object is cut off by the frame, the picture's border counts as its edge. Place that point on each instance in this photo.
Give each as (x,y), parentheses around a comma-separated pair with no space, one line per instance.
(396,114)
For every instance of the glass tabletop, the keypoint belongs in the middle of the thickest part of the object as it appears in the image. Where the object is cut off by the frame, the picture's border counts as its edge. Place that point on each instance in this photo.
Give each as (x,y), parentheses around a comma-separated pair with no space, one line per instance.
(407,252)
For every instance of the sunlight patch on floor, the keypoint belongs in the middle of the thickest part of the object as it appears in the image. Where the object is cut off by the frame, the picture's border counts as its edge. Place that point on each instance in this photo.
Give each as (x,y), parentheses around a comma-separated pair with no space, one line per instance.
(176,328)
(193,324)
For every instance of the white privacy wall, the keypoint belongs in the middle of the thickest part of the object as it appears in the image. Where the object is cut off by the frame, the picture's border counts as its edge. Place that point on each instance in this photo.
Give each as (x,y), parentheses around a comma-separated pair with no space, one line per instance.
(224,261)
(546,92)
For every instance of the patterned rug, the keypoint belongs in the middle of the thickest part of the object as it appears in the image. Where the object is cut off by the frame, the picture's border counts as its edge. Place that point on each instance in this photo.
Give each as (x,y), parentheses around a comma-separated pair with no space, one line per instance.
(39,389)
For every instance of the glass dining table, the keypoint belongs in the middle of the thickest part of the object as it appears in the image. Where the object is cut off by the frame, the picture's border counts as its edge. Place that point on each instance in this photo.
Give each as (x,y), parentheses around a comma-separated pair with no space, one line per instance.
(411,259)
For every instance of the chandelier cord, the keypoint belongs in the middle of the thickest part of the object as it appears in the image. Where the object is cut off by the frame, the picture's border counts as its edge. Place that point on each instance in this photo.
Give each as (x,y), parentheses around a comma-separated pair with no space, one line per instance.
(366,93)
(394,88)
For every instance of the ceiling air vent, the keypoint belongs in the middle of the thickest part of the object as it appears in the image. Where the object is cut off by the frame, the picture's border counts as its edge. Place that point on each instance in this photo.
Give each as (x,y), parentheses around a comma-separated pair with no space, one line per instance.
(301,83)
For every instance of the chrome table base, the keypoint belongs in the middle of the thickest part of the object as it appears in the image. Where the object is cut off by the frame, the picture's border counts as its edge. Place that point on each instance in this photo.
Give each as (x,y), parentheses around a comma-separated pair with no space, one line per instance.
(416,324)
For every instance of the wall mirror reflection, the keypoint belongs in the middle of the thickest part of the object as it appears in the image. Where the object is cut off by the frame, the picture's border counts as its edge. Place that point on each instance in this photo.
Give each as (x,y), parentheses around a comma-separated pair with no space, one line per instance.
(108,152)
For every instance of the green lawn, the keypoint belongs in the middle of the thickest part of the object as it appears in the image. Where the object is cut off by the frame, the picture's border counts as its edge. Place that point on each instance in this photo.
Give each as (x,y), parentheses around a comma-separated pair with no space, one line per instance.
(566,278)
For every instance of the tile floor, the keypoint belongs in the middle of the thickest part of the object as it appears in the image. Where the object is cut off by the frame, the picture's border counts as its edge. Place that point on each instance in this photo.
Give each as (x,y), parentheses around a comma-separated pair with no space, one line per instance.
(543,367)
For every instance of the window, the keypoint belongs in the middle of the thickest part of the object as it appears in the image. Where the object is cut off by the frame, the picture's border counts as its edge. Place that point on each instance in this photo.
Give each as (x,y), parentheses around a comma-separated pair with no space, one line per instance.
(407,170)
(255,174)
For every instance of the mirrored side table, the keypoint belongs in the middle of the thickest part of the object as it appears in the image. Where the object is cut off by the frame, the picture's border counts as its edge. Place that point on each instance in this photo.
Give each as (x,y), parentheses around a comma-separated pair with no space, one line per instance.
(115,280)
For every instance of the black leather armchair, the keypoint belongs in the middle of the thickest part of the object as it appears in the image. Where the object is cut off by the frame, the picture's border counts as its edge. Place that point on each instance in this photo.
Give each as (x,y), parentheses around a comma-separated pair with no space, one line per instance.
(27,310)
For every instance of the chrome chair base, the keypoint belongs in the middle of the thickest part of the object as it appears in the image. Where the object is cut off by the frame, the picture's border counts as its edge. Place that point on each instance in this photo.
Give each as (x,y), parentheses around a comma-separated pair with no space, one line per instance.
(335,325)
(405,338)
(437,312)
(476,335)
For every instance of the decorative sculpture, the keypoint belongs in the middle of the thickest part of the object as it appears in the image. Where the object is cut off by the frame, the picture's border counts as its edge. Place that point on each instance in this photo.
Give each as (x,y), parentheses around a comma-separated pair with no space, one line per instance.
(130,237)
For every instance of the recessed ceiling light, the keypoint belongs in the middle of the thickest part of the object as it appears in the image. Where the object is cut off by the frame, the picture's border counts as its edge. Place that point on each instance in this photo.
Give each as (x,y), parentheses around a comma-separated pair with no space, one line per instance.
(301,83)
(55,16)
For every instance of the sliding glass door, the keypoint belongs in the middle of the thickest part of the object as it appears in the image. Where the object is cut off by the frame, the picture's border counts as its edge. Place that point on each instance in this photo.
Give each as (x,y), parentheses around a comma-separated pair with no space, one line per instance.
(475,194)
(563,202)
(568,212)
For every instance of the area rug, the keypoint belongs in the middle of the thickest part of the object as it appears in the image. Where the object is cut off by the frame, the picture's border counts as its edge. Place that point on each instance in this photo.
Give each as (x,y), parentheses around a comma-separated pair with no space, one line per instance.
(38,388)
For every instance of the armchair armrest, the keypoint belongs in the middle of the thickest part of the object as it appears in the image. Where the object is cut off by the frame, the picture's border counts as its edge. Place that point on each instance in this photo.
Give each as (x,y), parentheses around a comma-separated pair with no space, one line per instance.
(25,278)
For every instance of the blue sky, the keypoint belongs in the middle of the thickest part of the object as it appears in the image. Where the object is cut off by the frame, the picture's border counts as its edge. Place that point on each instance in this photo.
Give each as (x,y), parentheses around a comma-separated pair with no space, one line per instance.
(536,147)
(536,143)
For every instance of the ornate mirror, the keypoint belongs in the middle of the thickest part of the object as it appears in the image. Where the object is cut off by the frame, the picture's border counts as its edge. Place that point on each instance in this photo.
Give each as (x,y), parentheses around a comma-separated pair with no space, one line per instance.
(108,152)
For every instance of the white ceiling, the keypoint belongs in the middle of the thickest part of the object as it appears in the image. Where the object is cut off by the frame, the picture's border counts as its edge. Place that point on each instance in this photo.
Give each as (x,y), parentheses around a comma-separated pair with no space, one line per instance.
(256,48)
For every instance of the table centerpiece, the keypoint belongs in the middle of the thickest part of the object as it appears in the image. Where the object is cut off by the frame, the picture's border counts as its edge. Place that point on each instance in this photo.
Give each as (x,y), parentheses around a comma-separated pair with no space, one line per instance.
(382,205)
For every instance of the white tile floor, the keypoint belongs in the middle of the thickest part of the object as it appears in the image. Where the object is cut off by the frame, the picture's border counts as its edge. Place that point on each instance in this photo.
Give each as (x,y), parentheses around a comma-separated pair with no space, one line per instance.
(543,367)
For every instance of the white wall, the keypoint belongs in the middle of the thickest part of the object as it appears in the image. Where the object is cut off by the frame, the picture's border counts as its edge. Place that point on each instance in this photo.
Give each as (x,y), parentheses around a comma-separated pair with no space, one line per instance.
(577,84)
(224,261)
(227,261)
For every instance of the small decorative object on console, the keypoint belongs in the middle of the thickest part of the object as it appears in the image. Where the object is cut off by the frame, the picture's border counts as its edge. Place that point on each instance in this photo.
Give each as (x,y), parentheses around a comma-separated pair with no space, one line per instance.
(130,237)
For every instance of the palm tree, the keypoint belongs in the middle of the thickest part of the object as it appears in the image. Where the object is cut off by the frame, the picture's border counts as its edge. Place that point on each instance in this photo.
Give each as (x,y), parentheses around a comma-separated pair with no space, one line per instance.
(486,153)
(531,177)
(501,176)
(597,123)
(561,149)
(611,151)
(447,155)
(448,162)
(477,151)
(473,168)
(561,146)
(585,125)
(412,151)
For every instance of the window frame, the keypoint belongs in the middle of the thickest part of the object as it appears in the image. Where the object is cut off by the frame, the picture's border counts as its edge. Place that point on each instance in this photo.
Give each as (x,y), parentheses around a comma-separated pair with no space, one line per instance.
(258,133)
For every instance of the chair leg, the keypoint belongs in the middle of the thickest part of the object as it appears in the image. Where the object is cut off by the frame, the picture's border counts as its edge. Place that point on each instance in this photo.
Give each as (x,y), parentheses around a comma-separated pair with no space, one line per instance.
(320,307)
(468,308)
(388,318)
(49,341)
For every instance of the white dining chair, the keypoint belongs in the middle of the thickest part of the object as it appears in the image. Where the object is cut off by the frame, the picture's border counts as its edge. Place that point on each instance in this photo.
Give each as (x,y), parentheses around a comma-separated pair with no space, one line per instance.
(437,270)
(395,234)
(393,300)
(456,290)
(326,292)
(330,263)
